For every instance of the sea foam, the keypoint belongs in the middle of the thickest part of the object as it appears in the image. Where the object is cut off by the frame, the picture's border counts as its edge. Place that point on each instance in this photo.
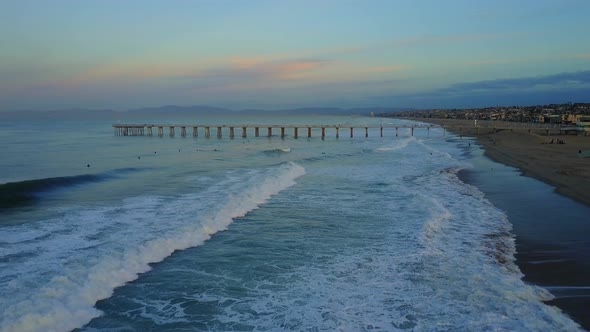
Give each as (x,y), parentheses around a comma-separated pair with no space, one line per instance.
(67,300)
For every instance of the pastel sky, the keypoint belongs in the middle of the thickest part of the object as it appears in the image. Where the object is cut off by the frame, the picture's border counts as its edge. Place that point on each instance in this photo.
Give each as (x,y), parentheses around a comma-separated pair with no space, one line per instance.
(283,54)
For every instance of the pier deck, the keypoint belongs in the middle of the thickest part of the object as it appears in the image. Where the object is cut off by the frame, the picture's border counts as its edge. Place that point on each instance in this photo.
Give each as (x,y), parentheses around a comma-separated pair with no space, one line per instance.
(148,129)
(220,129)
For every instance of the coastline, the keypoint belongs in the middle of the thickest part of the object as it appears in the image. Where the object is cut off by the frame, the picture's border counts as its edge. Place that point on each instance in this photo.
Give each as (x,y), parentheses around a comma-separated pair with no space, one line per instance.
(532,183)
(555,164)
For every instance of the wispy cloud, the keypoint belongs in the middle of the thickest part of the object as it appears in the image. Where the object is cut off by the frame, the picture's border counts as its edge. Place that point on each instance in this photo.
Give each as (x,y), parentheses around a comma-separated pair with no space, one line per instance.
(536,89)
(427,40)
(387,69)
(548,81)
(255,71)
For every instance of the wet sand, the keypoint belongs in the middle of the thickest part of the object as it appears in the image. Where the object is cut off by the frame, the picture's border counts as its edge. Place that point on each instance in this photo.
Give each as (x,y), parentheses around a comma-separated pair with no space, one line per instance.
(555,164)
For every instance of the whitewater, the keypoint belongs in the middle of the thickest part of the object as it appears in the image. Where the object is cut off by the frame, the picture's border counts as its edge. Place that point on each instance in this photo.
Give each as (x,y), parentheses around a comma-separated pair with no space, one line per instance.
(263,234)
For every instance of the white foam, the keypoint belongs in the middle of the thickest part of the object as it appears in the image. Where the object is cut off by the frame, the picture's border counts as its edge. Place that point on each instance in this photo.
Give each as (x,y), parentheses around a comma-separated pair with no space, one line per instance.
(398,144)
(442,259)
(67,300)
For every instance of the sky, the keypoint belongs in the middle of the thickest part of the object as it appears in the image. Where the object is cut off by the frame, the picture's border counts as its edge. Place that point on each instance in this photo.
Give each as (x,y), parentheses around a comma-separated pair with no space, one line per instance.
(112,54)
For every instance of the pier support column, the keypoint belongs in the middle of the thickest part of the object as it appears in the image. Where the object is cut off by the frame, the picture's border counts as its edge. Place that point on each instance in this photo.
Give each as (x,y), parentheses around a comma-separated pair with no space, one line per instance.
(396,131)
(351,132)
(366,132)
(218,132)
(337,132)
(150,133)
(160,131)
(183,131)
(195,131)
(171,131)
(323,132)
(295,133)
(381,131)
(256,131)
(412,131)
(269,131)
(231,132)
(282,132)
(244,134)
(308,132)
(207,132)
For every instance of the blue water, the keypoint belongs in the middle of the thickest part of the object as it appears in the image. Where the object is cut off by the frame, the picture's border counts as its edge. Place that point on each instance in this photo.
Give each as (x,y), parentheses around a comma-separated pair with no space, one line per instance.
(260,234)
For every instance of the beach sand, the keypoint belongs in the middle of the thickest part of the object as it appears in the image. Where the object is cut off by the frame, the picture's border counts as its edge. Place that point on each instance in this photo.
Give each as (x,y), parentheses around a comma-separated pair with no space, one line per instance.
(555,164)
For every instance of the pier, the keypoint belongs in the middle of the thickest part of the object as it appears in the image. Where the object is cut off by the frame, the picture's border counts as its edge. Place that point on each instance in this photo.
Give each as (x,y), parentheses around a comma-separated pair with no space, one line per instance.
(323,131)
(245,130)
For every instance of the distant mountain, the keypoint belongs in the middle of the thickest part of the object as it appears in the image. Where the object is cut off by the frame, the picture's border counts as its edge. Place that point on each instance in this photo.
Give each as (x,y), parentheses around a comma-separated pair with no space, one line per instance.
(340,111)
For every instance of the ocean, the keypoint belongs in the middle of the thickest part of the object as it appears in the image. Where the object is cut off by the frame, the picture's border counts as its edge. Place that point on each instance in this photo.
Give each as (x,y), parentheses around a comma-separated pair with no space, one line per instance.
(108,233)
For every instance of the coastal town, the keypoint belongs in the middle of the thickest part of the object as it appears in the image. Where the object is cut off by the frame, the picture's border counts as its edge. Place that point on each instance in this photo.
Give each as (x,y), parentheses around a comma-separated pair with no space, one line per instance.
(564,114)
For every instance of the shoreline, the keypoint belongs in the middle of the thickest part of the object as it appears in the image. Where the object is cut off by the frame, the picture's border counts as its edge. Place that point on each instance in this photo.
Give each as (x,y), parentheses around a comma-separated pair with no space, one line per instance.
(528,180)
(555,164)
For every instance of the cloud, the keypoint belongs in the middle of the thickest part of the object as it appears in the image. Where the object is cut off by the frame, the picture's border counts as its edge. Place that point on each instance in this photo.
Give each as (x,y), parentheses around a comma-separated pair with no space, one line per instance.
(427,40)
(561,87)
(248,69)
(387,69)
(549,81)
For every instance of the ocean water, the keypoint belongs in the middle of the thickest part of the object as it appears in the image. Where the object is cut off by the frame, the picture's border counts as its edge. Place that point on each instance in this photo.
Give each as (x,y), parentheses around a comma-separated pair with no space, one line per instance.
(105,233)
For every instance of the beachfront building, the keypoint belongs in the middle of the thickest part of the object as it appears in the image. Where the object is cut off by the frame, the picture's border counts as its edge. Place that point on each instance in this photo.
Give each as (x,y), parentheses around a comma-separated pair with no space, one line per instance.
(583,124)
(571,118)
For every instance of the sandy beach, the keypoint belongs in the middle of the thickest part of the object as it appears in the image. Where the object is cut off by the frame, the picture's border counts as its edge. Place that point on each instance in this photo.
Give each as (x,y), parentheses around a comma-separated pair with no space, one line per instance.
(535,156)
